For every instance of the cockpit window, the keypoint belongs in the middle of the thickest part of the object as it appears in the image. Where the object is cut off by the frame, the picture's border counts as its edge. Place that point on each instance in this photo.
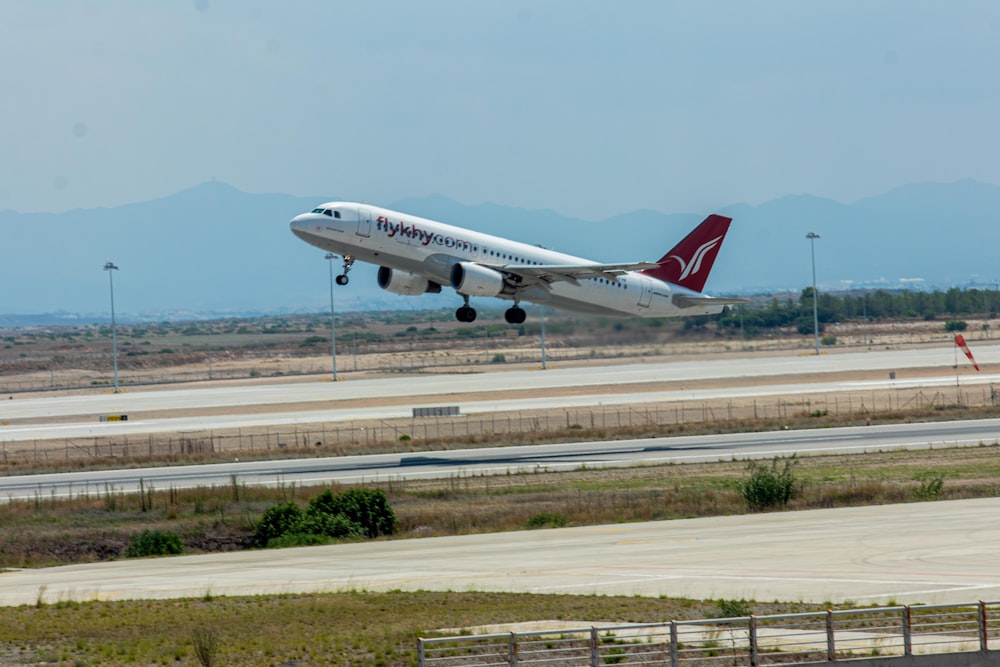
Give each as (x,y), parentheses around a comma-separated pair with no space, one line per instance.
(336,214)
(327,211)
(317,210)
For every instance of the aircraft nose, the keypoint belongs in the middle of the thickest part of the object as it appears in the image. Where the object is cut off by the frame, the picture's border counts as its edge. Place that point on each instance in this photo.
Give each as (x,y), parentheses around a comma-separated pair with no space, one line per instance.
(299,222)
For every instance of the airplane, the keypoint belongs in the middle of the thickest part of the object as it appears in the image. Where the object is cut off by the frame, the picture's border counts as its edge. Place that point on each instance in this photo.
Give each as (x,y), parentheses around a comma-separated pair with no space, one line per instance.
(418,256)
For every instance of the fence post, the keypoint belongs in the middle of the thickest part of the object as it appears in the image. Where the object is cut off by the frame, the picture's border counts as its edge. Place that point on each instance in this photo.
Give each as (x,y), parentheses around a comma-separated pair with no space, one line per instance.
(420,653)
(907,631)
(512,650)
(595,657)
(674,658)
(831,648)
(753,640)
(984,635)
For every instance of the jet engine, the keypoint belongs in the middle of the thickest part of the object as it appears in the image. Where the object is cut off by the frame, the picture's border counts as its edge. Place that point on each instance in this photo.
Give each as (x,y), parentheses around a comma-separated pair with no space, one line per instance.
(405,283)
(475,280)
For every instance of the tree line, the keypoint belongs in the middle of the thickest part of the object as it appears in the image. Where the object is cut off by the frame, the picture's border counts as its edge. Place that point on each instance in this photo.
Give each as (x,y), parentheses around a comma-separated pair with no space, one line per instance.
(841,307)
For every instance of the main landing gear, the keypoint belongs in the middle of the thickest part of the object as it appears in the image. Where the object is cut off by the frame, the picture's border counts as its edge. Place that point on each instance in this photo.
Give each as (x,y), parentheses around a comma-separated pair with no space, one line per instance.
(342,279)
(515,315)
(466,313)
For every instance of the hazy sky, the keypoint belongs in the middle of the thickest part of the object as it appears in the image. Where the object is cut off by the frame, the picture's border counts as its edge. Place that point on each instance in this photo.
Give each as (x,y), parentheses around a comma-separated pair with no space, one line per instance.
(588,108)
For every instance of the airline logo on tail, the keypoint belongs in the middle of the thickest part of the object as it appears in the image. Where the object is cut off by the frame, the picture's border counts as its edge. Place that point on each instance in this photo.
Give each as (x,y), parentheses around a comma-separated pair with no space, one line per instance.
(695,265)
(689,262)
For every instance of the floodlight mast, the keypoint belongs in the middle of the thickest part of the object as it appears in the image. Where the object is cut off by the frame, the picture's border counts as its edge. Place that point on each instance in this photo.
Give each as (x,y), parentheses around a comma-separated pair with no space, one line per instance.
(333,319)
(812,236)
(111,268)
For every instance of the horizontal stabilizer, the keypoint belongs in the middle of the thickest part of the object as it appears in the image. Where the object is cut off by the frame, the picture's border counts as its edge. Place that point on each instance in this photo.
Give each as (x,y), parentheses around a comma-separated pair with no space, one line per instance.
(685,301)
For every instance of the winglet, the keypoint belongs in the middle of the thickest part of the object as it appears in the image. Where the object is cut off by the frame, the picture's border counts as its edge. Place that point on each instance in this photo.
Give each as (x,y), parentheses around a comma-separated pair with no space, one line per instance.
(689,262)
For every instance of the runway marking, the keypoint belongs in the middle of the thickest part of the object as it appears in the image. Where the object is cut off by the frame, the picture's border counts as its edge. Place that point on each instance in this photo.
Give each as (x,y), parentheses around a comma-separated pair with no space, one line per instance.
(640,578)
(928,590)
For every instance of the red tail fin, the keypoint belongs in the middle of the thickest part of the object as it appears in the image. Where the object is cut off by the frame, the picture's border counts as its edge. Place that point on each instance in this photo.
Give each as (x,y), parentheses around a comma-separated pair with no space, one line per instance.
(688,263)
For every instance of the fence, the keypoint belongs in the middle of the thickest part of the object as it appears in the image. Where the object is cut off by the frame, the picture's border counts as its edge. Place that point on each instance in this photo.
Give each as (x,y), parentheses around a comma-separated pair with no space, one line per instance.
(747,640)
(340,438)
(288,366)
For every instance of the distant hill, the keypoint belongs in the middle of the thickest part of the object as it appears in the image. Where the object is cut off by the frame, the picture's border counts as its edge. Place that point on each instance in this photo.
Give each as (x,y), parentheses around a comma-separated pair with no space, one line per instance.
(214,250)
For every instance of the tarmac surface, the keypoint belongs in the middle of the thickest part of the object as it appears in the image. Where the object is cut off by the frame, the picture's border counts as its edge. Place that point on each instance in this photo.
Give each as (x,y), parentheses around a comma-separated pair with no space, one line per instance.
(927,552)
(942,552)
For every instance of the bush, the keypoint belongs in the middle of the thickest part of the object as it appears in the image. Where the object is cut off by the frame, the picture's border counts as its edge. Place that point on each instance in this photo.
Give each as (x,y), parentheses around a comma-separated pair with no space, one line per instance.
(556,520)
(828,339)
(733,608)
(277,521)
(369,508)
(154,543)
(956,325)
(931,485)
(329,525)
(767,486)
(356,513)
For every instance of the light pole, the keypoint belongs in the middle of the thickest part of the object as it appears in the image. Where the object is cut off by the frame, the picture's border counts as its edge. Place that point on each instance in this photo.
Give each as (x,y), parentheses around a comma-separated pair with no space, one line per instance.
(812,236)
(545,364)
(333,320)
(111,268)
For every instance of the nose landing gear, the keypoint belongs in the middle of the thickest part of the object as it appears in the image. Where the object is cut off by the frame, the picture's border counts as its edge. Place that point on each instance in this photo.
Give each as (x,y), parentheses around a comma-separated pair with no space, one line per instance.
(342,279)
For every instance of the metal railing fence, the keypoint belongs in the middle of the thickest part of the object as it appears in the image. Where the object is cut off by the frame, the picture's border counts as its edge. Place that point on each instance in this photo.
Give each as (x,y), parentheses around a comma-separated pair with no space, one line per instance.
(785,639)
(338,438)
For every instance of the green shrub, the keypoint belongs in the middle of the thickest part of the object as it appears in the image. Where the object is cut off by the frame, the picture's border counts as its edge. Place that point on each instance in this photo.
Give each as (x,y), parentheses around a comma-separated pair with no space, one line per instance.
(354,514)
(931,485)
(312,340)
(767,486)
(733,608)
(297,540)
(277,521)
(956,325)
(369,508)
(329,525)
(154,543)
(547,521)
(499,358)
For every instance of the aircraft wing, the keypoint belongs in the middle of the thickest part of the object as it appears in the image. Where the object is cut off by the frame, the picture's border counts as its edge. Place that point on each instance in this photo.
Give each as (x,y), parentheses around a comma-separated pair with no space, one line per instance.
(550,273)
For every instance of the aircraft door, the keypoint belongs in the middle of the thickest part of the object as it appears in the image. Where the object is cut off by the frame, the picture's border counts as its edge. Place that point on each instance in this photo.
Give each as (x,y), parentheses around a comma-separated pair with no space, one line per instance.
(364,221)
(645,292)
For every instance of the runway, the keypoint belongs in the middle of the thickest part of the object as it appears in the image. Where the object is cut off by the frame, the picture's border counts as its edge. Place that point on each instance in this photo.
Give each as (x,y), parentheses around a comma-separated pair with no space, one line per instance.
(174,410)
(509,460)
(942,552)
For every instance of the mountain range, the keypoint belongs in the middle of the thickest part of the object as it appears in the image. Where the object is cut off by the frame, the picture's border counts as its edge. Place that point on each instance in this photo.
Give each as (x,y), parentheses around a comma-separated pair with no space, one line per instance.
(213,251)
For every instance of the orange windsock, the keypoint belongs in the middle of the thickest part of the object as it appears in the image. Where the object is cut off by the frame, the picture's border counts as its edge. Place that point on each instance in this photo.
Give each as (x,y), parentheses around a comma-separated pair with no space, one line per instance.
(960,341)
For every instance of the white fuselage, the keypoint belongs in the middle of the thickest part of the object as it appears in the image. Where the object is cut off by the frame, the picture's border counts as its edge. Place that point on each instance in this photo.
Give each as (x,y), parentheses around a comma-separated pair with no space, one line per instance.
(428,248)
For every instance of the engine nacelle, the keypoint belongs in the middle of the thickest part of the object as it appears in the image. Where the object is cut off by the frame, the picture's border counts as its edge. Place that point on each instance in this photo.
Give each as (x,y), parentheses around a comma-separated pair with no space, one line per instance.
(475,280)
(405,283)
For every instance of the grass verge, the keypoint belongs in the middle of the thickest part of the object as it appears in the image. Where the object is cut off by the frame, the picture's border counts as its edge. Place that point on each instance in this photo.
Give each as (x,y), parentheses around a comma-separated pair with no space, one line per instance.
(358,628)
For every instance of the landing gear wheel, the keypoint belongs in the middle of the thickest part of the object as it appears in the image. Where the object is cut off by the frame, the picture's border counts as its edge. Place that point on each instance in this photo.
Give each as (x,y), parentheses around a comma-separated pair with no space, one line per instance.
(342,279)
(515,315)
(465,314)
